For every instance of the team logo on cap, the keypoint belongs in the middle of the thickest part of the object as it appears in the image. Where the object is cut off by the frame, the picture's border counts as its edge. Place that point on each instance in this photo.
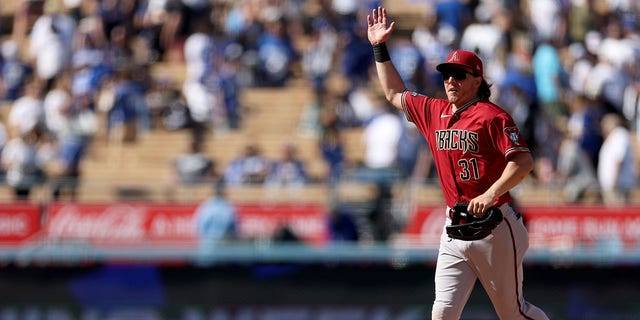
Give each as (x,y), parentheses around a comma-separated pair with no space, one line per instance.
(454,57)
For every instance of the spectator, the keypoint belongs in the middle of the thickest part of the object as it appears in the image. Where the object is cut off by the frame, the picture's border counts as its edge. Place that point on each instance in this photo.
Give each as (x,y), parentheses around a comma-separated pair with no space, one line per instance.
(72,125)
(487,37)
(174,112)
(631,106)
(576,172)
(50,43)
(230,86)
(90,64)
(547,21)
(433,40)
(27,112)
(616,165)
(288,171)
(215,221)
(411,63)
(13,71)
(381,137)
(249,168)
(333,153)
(411,146)
(4,138)
(201,100)
(617,58)
(549,78)
(276,53)
(21,162)
(55,103)
(583,125)
(356,57)
(119,102)
(453,13)
(317,59)
(194,166)
(198,53)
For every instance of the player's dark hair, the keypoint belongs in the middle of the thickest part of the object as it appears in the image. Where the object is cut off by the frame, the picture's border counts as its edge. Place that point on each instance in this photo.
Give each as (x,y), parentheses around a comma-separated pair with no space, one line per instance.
(484,91)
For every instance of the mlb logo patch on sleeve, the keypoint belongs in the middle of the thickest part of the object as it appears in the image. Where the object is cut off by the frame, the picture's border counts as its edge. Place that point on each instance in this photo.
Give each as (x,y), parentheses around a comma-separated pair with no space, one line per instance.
(513,134)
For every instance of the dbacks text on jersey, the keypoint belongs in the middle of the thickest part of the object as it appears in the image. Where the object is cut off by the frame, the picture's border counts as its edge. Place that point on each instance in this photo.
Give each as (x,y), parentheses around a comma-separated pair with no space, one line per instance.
(456,139)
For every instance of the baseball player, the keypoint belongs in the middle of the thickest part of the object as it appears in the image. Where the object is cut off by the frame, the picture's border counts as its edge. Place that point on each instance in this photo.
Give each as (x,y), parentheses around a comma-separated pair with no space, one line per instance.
(480,155)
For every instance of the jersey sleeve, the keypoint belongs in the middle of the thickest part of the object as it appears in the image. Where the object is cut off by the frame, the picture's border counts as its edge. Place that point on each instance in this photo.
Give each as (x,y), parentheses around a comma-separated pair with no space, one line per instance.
(506,136)
(414,106)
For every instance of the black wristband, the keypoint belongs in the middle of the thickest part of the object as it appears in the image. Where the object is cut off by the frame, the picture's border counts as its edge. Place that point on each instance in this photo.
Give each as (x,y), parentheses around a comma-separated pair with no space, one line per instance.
(380,52)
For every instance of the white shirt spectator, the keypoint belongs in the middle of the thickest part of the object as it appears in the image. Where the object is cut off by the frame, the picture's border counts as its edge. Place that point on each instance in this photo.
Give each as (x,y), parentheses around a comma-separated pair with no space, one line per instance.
(197,49)
(579,75)
(620,52)
(54,103)
(4,136)
(381,137)
(20,160)
(50,43)
(601,73)
(199,101)
(345,7)
(25,114)
(545,17)
(486,38)
(616,171)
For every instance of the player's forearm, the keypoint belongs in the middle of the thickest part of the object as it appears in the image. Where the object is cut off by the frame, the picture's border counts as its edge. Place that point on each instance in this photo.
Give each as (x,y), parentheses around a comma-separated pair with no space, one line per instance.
(515,171)
(392,84)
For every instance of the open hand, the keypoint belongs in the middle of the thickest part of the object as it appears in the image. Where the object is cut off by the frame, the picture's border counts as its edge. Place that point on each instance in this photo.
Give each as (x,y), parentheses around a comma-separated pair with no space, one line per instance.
(377,30)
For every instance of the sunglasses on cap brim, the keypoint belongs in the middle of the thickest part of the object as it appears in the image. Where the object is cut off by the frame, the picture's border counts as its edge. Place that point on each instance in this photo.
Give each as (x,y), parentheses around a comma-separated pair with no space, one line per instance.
(457,74)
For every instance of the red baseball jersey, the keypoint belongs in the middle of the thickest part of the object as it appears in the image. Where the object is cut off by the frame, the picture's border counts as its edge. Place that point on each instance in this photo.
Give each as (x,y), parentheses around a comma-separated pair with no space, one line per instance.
(470,147)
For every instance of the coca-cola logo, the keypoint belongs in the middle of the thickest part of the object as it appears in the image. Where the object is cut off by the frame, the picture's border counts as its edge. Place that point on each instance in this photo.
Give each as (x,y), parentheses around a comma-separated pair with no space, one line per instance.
(115,222)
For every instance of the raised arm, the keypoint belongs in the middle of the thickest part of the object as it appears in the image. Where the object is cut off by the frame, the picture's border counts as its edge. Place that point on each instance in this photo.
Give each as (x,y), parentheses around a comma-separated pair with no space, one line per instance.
(378,31)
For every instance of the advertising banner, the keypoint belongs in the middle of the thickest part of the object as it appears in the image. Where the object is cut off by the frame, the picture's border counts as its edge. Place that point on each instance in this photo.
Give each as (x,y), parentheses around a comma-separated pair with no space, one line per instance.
(548,226)
(119,223)
(19,223)
(128,223)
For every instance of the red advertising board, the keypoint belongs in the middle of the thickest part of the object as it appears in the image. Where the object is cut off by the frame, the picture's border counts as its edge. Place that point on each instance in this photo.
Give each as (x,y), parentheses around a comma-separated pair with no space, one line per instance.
(119,222)
(122,223)
(129,223)
(548,226)
(19,223)
(309,222)
(569,225)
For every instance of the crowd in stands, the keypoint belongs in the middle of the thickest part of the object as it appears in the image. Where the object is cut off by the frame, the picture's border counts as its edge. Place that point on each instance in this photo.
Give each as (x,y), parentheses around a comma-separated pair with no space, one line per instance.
(71,71)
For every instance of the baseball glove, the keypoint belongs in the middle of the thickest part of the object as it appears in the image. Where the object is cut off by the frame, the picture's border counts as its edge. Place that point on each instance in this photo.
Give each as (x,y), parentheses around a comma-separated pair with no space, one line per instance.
(465,226)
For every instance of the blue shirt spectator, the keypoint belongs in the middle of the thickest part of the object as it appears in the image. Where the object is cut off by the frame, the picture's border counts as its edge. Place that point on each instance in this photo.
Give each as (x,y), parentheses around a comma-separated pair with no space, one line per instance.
(276,54)
(215,219)
(13,72)
(454,13)
(547,70)
(357,58)
(249,168)
(333,153)
(288,171)
(410,62)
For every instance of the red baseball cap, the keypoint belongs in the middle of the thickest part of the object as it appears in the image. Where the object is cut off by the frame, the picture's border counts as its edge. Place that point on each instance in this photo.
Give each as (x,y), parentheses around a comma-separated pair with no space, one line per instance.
(462,58)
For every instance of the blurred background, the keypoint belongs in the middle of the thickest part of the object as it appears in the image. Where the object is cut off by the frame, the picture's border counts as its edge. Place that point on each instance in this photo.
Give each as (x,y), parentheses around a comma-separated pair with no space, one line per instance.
(219,159)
